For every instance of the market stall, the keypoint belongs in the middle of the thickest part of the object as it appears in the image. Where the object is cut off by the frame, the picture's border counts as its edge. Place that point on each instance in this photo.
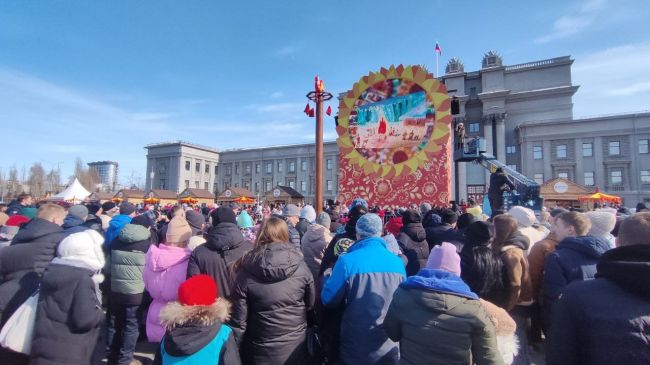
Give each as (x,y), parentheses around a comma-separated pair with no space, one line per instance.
(601,198)
(236,195)
(75,193)
(284,195)
(161,197)
(132,196)
(195,196)
(561,192)
(99,197)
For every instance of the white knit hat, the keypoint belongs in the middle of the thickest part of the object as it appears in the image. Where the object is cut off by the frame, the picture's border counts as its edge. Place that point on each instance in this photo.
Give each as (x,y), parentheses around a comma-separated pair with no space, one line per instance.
(525,217)
(307,212)
(602,223)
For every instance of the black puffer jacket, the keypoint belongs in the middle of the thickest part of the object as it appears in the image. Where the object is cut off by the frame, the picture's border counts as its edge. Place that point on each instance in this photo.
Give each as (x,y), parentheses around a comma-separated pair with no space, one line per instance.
(605,321)
(23,263)
(444,233)
(224,246)
(413,242)
(273,291)
(68,317)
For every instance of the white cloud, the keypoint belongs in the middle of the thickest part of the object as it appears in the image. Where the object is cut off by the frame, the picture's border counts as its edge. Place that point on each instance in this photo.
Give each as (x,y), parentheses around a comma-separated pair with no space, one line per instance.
(579,19)
(613,80)
(285,51)
(277,95)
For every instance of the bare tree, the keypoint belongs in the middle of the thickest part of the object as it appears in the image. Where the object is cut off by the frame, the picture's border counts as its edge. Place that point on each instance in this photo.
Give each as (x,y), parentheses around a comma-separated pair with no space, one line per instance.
(54,181)
(12,182)
(87,177)
(134,181)
(36,181)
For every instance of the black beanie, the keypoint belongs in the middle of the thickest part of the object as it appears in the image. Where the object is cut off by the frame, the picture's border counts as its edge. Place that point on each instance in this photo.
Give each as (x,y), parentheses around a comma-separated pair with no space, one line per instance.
(223,215)
(478,233)
(411,216)
(142,220)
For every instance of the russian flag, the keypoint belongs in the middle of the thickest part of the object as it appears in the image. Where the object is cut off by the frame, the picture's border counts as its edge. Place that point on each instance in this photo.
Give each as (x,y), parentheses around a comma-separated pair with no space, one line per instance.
(438,49)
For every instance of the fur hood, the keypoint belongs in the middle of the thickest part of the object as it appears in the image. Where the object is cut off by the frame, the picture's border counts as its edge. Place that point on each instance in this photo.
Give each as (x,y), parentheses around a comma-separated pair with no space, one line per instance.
(175,314)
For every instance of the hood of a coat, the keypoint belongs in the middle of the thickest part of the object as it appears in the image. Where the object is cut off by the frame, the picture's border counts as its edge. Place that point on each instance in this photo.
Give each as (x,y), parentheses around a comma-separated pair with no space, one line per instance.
(224,236)
(518,240)
(437,301)
(273,262)
(191,328)
(120,220)
(590,246)
(34,229)
(317,233)
(439,281)
(72,221)
(629,267)
(415,231)
(163,256)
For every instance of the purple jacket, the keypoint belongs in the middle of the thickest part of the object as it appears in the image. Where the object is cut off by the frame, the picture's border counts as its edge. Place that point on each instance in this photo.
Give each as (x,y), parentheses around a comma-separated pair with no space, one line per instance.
(165,269)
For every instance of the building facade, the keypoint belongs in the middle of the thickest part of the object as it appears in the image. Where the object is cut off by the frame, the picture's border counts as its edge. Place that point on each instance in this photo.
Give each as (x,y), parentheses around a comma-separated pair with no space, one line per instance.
(107,172)
(608,152)
(179,165)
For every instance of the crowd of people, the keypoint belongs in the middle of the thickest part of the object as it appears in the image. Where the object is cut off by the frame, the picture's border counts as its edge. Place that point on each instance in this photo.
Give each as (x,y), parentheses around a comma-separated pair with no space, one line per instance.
(355,284)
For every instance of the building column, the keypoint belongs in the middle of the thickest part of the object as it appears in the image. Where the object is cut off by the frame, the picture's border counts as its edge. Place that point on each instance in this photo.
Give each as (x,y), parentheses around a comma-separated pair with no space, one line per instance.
(501,139)
(462,181)
(487,134)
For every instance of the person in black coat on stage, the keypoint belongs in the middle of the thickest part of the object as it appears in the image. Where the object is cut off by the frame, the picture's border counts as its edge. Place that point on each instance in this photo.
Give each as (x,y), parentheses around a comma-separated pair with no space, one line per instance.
(274,290)
(69,313)
(413,242)
(499,183)
(225,245)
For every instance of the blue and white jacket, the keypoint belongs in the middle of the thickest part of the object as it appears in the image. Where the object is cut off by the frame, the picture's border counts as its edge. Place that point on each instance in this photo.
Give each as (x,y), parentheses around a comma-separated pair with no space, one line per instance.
(363,282)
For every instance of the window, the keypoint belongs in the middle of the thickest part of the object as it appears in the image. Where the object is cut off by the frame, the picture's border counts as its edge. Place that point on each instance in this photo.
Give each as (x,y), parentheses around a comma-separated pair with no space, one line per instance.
(269,168)
(616,177)
(303,165)
(236,185)
(472,91)
(215,188)
(514,167)
(207,170)
(279,166)
(474,127)
(614,148)
(511,150)
(216,170)
(257,168)
(587,149)
(206,185)
(560,151)
(539,178)
(163,184)
(292,184)
(197,167)
(236,169)
(589,178)
(292,166)
(247,185)
(329,163)
(643,146)
(537,152)
(247,169)
(329,185)
(645,176)
(257,187)
(303,186)
(187,166)
(267,185)
(187,184)
(564,175)
(228,170)
(196,184)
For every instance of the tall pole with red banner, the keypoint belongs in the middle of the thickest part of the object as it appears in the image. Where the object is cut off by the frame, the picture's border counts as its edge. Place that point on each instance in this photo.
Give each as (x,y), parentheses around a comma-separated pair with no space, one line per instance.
(319,95)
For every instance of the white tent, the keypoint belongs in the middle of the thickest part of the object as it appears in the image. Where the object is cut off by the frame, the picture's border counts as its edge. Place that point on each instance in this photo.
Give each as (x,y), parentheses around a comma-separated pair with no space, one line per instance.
(75,193)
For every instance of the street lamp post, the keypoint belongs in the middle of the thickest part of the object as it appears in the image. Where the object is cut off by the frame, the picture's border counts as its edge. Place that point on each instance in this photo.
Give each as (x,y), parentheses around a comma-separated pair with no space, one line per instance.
(151,176)
(319,95)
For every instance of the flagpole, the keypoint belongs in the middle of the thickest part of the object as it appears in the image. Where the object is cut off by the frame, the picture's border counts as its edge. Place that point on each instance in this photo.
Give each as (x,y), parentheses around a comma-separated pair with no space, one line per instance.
(437,70)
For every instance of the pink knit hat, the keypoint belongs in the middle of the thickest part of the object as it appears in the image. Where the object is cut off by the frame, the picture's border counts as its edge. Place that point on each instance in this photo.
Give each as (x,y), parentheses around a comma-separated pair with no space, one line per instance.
(444,257)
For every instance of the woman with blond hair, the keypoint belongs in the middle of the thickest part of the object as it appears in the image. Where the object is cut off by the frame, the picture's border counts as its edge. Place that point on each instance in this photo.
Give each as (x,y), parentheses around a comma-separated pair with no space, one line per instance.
(272,294)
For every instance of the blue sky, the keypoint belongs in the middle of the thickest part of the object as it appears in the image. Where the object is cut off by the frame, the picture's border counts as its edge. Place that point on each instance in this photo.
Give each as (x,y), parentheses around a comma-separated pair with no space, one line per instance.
(101,79)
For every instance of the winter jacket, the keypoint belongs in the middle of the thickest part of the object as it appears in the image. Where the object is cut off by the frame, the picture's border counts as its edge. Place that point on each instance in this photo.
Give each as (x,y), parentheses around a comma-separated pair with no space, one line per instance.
(443,233)
(224,246)
(93,222)
(534,235)
(536,258)
(302,227)
(437,319)
(605,321)
(165,270)
(513,254)
(273,292)
(127,265)
(197,335)
(497,181)
(363,281)
(413,242)
(504,328)
(68,318)
(24,261)
(329,258)
(294,235)
(114,227)
(14,208)
(313,246)
(574,259)
(72,224)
